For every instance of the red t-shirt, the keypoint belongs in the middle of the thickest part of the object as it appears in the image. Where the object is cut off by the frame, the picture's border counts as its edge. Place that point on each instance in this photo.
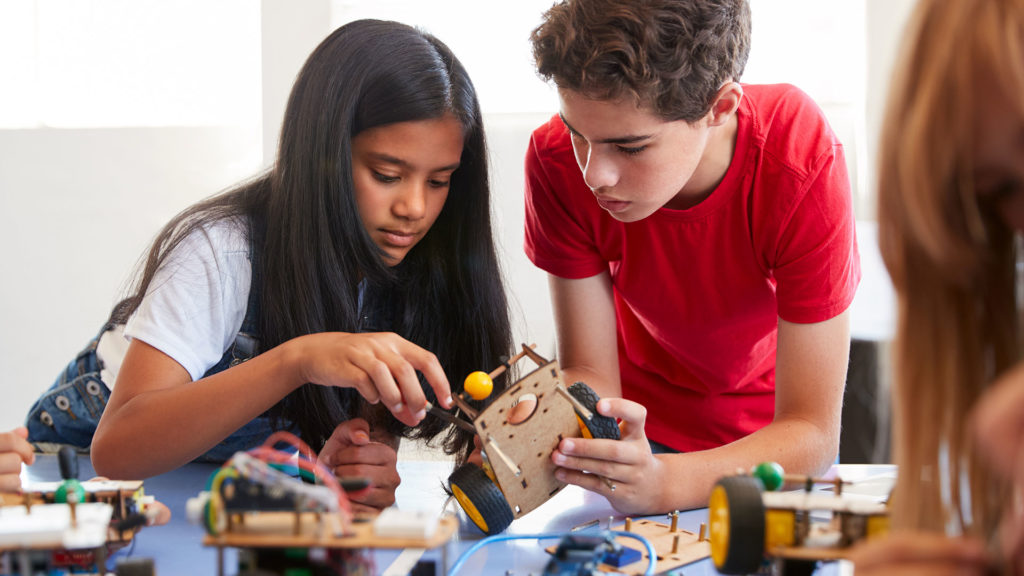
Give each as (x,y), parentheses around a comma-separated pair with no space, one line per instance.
(698,292)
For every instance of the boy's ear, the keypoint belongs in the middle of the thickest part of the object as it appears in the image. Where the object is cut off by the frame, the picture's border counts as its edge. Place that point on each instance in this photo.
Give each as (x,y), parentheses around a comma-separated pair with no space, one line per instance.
(725,103)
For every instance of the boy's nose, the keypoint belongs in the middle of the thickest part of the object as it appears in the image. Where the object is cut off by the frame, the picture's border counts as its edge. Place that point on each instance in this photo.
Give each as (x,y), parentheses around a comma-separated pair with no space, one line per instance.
(599,172)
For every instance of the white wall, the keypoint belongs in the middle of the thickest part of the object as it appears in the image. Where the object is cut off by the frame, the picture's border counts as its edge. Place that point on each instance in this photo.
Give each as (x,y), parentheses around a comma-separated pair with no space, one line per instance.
(886,20)
(113,117)
(77,208)
(79,205)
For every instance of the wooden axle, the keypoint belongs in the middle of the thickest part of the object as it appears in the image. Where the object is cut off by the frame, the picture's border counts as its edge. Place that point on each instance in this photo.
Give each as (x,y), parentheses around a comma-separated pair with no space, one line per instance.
(527,351)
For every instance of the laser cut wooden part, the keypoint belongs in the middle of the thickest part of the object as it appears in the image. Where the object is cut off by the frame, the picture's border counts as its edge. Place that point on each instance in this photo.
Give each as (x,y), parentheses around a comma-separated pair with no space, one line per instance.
(277,530)
(520,454)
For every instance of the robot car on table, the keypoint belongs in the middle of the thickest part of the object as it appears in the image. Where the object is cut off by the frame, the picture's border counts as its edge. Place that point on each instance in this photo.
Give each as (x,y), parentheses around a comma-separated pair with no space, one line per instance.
(519,429)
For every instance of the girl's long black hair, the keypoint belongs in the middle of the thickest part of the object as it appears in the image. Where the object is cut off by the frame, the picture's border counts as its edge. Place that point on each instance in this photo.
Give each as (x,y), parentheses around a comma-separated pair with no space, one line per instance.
(311,249)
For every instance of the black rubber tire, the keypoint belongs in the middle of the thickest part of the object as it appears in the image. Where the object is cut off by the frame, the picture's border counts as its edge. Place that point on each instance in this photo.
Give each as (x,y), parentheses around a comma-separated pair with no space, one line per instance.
(598,426)
(793,567)
(486,506)
(746,525)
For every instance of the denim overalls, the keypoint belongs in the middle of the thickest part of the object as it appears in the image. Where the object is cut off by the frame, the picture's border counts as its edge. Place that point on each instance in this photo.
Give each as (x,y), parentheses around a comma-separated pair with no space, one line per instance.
(69,411)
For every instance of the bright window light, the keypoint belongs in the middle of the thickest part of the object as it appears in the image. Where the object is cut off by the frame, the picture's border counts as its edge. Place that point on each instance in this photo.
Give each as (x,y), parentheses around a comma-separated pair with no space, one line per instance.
(490,38)
(115,63)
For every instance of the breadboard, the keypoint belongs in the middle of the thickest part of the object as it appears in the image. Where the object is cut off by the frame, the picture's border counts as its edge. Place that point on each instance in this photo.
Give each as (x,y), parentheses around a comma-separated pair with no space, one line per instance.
(278,530)
(47,526)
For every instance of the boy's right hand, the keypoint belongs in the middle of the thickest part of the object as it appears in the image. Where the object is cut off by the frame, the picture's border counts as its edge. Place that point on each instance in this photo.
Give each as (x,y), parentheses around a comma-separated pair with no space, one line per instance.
(621,470)
(380,365)
(14,450)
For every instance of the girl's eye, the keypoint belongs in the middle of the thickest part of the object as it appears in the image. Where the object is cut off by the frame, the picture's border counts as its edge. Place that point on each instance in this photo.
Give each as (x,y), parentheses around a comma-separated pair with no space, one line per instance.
(999,190)
(385,178)
(632,151)
(439,183)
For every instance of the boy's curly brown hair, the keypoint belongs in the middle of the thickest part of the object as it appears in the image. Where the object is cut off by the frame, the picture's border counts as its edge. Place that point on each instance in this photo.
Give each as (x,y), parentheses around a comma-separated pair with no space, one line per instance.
(672,56)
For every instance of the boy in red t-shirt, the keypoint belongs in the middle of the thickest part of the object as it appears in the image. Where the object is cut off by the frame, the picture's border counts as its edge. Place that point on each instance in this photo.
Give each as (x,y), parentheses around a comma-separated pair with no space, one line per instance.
(699,237)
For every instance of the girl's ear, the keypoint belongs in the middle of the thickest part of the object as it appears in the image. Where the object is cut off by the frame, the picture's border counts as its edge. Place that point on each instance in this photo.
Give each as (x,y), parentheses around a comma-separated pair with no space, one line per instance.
(725,103)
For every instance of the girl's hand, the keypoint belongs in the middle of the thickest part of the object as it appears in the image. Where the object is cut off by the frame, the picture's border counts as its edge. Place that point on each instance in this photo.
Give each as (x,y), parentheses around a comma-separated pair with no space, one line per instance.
(381,366)
(14,450)
(626,464)
(998,424)
(919,553)
(351,453)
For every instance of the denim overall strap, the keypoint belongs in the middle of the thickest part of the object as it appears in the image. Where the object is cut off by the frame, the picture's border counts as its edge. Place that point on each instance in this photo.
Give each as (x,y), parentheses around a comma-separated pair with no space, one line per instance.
(69,410)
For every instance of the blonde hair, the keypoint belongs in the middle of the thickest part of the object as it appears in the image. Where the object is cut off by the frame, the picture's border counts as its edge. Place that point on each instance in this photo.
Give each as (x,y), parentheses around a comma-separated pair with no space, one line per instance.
(951,258)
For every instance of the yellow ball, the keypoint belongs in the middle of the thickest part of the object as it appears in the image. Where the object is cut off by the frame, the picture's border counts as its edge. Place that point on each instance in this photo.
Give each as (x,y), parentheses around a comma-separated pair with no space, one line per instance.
(478,385)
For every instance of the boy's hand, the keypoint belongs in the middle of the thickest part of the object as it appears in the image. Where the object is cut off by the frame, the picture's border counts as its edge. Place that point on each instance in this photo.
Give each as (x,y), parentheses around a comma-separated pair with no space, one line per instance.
(351,453)
(626,465)
(14,450)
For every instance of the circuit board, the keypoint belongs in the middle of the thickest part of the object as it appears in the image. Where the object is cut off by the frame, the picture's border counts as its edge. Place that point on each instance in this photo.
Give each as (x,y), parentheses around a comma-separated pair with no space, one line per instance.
(688,547)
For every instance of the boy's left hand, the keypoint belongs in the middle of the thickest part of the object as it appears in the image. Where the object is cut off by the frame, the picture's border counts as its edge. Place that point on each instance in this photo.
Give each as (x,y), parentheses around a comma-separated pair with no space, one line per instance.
(627,464)
(351,453)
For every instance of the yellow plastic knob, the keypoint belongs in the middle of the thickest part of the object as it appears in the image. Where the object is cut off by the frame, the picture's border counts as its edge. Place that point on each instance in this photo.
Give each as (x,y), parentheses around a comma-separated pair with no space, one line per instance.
(478,385)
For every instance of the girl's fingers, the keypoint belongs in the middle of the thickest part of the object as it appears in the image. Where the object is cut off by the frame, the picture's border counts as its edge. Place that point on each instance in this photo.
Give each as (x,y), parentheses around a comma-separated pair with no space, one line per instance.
(10,483)
(382,367)
(381,379)
(921,550)
(427,363)
(408,385)
(354,432)
(10,463)
(998,423)
(15,442)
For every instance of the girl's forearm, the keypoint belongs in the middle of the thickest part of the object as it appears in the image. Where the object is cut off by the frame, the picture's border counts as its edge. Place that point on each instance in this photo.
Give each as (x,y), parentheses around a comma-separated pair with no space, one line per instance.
(158,430)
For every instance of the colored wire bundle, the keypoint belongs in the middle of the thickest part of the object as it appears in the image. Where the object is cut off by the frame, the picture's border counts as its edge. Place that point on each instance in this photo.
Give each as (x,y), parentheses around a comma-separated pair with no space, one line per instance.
(268,467)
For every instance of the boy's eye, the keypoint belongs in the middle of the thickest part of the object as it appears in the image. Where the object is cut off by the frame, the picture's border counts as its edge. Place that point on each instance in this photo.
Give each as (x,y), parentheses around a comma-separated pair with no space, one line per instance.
(632,150)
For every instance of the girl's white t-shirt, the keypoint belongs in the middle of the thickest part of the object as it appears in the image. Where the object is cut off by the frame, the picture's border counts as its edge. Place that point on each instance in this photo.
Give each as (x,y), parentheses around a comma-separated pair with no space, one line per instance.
(195,305)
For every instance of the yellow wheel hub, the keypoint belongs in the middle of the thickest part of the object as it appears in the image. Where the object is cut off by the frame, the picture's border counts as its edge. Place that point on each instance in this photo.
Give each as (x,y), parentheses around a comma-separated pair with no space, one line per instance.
(469,508)
(583,427)
(718,525)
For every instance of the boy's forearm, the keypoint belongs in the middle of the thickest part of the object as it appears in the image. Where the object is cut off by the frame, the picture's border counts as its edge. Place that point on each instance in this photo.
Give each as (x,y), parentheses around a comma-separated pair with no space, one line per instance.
(604,386)
(800,447)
